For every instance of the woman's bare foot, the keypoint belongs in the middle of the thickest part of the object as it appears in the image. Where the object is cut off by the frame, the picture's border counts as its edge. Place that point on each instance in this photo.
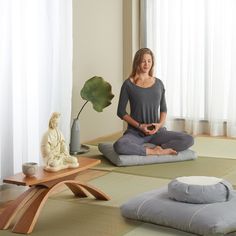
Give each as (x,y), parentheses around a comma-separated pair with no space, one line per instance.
(160,151)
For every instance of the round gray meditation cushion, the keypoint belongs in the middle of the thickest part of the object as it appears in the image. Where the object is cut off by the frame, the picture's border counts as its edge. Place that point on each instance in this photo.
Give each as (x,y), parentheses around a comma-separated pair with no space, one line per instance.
(199,189)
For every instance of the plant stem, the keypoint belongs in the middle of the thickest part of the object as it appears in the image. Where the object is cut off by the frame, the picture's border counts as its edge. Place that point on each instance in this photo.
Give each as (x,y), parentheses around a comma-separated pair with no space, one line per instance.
(81,110)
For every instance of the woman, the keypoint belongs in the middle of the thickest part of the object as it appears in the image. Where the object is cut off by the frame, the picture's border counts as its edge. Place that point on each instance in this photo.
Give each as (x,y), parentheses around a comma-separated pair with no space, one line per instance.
(146,95)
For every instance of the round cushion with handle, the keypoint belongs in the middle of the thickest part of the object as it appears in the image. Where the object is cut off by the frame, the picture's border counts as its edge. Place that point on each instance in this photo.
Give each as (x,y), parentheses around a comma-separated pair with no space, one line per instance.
(199,189)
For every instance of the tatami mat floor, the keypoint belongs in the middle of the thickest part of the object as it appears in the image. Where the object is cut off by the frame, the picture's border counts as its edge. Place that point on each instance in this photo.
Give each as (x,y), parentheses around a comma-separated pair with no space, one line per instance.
(120,186)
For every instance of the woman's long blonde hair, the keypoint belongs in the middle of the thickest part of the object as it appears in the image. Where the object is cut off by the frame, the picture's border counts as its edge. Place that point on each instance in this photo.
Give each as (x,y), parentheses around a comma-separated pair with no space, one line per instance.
(138,59)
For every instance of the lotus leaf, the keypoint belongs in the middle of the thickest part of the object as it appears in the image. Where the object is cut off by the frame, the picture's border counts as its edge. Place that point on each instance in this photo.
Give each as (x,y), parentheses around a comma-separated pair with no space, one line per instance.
(98,92)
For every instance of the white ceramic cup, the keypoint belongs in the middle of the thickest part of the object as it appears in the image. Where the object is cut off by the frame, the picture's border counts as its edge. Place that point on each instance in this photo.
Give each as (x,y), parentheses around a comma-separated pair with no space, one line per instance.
(29,168)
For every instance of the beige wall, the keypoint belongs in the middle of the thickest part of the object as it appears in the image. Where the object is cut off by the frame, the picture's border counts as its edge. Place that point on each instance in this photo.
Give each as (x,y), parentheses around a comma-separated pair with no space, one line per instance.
(131,33)
(105,38)
(98,50)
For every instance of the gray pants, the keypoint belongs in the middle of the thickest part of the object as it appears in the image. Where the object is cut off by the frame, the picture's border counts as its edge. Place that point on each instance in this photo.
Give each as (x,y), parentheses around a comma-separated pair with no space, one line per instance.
(131,143)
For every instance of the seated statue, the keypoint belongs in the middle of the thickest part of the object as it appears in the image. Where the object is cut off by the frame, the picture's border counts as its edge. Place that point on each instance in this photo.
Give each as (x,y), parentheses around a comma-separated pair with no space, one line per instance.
(53,148)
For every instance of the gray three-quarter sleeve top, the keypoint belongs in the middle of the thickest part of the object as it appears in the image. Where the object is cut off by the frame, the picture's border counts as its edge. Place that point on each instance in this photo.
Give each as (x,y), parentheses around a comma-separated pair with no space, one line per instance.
(144,102)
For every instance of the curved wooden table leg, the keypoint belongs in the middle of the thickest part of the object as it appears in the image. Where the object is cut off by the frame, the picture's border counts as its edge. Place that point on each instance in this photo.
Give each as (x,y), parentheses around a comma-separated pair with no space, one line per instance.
(15,206)
(76,189)
(98,194)
(28,219)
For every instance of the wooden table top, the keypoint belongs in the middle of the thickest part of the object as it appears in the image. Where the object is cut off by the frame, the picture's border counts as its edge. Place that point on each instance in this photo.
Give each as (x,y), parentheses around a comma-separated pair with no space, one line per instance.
(42,176)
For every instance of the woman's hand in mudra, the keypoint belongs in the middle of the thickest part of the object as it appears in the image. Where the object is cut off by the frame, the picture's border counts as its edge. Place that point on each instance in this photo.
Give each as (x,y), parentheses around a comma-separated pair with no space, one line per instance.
(150,129)
(156,127)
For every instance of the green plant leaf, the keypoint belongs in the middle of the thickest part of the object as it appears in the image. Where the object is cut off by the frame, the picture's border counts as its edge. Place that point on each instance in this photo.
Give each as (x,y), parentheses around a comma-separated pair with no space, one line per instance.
(98,92)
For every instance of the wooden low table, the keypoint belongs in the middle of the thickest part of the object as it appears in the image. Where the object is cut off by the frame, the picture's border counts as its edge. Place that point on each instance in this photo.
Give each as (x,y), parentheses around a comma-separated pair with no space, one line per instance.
(29,204)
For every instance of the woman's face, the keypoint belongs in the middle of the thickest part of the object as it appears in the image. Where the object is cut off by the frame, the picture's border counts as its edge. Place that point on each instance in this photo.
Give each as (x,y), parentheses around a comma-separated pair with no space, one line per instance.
(146,63)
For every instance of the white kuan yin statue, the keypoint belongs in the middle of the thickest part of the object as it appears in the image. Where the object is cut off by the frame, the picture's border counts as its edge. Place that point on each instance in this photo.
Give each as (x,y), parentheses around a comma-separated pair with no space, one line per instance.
(53,148)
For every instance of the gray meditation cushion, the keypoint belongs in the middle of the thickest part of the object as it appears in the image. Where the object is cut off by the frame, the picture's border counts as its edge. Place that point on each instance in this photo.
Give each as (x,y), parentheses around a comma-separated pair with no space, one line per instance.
(200,189)
(131,160)
(202,219)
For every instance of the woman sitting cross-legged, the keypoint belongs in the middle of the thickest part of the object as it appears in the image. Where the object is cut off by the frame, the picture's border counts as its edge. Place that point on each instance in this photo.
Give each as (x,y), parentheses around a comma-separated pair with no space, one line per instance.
(146,96)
